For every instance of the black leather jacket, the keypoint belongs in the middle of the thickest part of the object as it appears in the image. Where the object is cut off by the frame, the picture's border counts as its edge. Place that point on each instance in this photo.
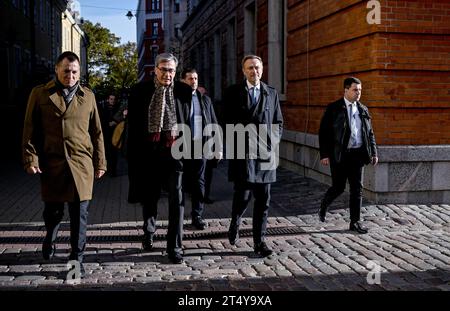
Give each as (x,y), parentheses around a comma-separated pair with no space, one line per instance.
(334,132)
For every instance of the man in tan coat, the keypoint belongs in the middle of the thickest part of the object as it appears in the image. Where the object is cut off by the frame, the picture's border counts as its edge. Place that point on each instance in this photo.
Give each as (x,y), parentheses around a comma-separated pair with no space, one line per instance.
(63,142)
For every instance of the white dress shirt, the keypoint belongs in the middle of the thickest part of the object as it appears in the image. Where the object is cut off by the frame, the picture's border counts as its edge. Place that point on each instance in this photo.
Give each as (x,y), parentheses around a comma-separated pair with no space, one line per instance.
(353,116)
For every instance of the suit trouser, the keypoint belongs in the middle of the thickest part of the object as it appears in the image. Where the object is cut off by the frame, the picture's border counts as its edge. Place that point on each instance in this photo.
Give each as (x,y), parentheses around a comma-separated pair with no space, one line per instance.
(78,212)
(209,168)
(163,169)
(351,169)
(195,169)
(242,195)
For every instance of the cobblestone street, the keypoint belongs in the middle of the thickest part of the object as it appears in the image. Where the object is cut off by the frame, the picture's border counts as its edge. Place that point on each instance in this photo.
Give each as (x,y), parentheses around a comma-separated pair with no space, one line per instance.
(410,243)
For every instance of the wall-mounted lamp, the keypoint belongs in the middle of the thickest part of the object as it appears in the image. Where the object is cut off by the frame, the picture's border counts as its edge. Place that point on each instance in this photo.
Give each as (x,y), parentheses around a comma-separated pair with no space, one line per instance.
(129,15)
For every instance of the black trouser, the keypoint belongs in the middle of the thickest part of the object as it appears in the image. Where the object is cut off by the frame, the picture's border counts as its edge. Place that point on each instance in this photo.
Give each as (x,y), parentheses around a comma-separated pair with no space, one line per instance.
(242,196)
(162,168)
(78,212)
(350,168)
(195,170)
(210,164)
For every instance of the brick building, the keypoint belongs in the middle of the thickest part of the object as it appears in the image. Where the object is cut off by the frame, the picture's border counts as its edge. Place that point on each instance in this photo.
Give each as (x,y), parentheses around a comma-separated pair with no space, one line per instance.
(158,30)
(310,46)
(150,35)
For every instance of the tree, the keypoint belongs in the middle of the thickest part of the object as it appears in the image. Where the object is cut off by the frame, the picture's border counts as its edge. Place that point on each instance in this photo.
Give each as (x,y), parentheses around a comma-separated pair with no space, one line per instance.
(111,67)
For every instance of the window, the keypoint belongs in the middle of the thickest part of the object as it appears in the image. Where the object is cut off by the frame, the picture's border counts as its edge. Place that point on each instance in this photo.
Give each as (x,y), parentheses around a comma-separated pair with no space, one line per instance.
(17,66)
(250,29)
(155,6)
(48,16)
(41,14)
(154,53)
(231,52)
(177,31)
(26,7)
(155,29)
(277,45)
(176,6)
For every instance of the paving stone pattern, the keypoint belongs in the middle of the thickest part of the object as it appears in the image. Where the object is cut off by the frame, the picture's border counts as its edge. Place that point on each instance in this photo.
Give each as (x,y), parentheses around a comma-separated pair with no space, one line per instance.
(409,244)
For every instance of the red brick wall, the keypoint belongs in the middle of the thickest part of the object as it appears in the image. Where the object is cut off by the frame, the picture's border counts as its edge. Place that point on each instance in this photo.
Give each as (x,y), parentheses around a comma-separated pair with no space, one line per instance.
(404,64)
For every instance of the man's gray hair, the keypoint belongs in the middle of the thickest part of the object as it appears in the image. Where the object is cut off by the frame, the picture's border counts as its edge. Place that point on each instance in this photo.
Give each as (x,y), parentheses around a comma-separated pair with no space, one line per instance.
(164,58)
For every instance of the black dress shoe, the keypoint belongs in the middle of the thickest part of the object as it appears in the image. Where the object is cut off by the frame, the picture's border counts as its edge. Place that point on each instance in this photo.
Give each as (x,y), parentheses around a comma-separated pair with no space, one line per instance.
(147,243)
(48,250)
(175,258)
(322,212)
(199,223)
(233,234)
(262,250)
(357,227)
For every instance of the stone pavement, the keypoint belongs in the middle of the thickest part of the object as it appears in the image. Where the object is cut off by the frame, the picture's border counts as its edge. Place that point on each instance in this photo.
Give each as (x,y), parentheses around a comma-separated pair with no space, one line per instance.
(409,245)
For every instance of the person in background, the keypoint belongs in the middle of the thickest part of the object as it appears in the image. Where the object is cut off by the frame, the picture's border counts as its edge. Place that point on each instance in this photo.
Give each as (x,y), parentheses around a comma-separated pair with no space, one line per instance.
(201,112)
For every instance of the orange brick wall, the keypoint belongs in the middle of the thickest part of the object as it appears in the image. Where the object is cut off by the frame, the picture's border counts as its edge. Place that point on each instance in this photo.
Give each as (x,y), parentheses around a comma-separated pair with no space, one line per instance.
(404,64)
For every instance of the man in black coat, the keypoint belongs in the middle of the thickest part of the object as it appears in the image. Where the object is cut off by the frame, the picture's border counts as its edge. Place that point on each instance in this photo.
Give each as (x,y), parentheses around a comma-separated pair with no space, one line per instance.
(347,143)
(201,115)
(253,108)
(155,110)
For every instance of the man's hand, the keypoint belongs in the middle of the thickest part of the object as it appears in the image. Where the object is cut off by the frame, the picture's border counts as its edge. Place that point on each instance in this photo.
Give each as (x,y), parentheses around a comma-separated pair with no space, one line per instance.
(34,170)
(99,174)
(374,161)
(325,161)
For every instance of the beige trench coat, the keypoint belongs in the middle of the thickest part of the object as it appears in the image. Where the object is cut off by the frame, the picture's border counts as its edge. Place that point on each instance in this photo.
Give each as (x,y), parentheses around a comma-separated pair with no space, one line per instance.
(66,144)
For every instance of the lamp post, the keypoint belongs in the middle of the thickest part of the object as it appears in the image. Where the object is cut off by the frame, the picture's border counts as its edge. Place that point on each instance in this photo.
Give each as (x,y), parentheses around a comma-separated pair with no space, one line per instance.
(129,15)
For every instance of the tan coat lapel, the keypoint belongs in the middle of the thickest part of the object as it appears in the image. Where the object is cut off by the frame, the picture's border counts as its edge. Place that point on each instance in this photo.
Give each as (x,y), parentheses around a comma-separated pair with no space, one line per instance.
(56,98)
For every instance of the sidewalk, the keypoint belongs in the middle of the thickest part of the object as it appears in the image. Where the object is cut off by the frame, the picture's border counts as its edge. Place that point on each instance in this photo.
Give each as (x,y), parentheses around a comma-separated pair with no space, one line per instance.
(411,243)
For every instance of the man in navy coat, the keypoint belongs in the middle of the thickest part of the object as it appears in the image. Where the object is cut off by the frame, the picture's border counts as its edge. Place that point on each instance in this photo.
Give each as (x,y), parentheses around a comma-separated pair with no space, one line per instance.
(253,109)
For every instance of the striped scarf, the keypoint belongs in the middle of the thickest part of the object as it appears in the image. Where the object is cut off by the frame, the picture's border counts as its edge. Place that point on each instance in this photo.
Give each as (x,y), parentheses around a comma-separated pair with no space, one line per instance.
(161,112)
(68,93)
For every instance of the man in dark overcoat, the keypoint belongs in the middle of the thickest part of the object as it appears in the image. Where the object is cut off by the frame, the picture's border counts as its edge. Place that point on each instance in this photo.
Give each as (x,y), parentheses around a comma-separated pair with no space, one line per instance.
(155,111)
(252,153)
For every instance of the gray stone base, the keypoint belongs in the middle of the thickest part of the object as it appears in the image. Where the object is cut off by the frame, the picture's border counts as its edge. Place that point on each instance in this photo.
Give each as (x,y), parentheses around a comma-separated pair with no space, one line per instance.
(405,174)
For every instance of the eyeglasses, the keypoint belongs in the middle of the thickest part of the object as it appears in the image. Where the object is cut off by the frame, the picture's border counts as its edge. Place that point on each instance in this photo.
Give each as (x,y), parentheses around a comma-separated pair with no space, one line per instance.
(167,70)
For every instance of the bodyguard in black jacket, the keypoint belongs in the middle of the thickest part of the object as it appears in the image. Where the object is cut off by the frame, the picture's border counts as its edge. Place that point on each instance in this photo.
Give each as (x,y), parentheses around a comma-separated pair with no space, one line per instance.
(251,104)
(347,143)
(200,112)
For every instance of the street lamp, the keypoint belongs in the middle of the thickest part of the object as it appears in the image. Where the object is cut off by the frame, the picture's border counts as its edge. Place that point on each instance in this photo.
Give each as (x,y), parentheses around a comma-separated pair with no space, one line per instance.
(129,15)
